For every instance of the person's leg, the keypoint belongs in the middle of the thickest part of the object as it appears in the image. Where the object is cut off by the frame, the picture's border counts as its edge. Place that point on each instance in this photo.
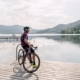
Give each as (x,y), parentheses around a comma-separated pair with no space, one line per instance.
(33,53)
(34,57)
(29,56)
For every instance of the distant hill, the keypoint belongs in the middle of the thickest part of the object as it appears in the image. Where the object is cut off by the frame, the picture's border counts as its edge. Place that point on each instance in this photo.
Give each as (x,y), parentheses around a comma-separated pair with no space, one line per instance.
(15,29)
(58,28)
(74,30)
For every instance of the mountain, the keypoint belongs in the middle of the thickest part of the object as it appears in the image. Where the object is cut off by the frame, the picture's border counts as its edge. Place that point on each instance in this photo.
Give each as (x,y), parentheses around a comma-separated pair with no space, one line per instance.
(58,28)
(15,29)
(74,30)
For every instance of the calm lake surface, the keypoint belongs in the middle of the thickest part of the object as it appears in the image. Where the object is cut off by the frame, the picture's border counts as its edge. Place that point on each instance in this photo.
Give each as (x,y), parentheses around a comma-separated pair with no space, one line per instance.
(51,48)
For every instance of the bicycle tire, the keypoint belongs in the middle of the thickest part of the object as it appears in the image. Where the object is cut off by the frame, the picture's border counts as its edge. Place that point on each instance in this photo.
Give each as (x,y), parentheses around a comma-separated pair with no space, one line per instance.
(19,57)
(37,65)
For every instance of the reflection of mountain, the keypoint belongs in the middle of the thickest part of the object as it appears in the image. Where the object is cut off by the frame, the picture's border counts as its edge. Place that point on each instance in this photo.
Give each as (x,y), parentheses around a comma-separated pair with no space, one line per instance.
(58,38)
(74,39)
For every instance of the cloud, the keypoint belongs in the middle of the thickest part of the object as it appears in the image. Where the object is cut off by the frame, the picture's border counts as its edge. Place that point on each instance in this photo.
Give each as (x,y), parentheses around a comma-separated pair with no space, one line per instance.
(39,14)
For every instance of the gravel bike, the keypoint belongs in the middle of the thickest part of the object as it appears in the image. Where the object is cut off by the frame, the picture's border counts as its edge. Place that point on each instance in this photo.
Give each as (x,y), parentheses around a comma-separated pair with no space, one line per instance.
(23,60)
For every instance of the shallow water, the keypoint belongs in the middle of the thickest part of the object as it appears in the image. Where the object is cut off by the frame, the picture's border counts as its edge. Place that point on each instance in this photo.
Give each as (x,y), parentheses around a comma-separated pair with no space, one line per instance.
(52,48)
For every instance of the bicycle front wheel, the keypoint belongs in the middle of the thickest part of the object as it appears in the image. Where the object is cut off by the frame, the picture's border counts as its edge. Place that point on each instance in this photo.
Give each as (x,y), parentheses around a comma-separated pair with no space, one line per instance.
(29,66)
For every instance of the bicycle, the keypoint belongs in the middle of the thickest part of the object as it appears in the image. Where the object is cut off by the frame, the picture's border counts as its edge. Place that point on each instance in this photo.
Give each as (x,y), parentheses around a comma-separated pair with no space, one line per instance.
(23,60)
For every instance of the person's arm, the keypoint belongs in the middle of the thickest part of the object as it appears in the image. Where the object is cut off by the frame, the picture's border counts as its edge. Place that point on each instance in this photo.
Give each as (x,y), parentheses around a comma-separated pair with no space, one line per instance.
(26,41)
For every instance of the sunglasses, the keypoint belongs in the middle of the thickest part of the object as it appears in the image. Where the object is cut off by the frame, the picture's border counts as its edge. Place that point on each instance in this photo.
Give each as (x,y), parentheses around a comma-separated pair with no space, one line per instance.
(26,29)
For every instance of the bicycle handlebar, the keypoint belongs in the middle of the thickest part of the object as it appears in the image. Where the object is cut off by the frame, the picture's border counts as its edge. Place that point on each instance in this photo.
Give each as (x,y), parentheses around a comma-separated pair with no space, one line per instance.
(35,47)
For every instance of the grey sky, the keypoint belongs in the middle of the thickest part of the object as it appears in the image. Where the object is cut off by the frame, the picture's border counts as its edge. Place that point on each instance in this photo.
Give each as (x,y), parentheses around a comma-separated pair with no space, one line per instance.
(39,14)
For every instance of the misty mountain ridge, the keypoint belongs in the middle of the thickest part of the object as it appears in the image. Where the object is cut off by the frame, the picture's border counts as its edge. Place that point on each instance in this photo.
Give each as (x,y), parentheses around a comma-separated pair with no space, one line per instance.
(17,29)
(58,28)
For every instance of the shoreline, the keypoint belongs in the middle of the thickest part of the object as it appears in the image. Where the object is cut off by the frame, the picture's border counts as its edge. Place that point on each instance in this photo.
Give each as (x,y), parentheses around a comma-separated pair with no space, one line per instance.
(38,34)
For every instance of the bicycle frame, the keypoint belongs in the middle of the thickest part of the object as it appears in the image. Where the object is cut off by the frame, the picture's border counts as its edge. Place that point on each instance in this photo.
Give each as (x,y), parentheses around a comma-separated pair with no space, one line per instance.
(17,51)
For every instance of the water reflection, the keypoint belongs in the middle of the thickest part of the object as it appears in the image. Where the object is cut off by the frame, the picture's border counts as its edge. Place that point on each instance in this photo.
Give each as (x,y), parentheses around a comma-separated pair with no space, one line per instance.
(64,52)
(59,48)
(74,39)
(54,48)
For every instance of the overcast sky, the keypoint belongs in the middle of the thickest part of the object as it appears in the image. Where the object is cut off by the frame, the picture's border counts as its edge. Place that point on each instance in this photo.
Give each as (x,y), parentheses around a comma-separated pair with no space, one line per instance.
(39,14)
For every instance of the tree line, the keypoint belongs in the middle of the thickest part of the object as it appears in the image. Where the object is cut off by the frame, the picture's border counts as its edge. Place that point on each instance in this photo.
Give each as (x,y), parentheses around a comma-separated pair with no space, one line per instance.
(74,30)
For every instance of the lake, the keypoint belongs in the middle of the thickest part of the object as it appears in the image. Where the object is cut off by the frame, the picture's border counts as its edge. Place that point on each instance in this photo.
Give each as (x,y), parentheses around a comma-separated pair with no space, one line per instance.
(50,47)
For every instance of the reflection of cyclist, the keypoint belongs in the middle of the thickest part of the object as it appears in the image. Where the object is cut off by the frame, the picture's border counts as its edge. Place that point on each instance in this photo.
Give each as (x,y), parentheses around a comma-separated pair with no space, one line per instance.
(25,44)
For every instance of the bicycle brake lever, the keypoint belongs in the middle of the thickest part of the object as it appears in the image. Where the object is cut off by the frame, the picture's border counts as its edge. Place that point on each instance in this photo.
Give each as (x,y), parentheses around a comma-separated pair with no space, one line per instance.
(35,48)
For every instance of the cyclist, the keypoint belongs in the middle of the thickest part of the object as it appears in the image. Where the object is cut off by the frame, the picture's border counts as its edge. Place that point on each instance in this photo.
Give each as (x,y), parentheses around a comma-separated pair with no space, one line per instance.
(26,44)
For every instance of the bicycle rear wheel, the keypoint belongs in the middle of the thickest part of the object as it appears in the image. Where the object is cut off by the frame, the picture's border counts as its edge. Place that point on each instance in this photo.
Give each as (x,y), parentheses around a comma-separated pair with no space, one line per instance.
(28,66)
(20,56)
